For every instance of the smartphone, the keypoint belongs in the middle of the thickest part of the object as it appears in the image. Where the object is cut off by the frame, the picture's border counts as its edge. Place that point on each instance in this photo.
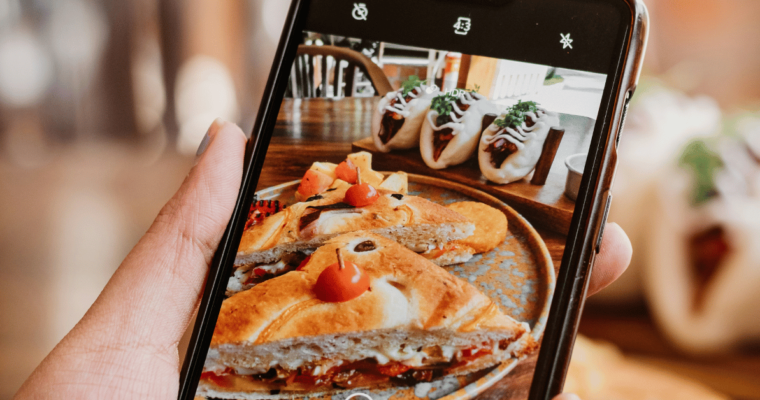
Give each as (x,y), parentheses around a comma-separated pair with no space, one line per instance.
(425,190)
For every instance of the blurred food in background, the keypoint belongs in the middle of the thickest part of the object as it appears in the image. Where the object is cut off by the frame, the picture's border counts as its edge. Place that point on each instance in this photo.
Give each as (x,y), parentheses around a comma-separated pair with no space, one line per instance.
(103,103)
(599,371)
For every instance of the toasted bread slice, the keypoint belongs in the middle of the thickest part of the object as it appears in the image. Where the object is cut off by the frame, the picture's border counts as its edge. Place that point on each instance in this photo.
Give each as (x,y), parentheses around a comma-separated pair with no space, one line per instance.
(416,322)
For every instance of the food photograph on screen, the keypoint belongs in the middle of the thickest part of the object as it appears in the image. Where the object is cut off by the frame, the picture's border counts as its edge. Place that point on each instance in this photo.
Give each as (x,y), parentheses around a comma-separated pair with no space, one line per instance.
(399,239)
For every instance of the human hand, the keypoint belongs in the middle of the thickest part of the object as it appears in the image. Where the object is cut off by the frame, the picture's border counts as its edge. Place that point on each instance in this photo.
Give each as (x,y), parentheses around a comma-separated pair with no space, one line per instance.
(126,345)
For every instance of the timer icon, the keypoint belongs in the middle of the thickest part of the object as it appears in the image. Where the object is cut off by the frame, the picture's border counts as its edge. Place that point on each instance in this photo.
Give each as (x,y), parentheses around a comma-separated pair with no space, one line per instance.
(360,12)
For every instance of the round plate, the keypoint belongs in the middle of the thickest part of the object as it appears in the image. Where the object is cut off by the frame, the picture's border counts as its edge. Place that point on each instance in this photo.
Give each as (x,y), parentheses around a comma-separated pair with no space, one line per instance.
(518,275)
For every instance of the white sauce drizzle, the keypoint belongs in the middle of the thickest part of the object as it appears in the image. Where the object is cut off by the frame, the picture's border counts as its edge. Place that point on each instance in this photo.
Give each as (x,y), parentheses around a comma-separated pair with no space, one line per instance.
(402,106)
(457,115)
(516,135)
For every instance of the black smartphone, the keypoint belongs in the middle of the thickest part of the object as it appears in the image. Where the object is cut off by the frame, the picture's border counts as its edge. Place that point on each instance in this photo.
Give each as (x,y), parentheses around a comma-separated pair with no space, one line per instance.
(425,190)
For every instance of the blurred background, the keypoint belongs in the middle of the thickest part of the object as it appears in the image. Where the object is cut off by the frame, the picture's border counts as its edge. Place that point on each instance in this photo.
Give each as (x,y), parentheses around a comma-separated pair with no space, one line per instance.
(103,104)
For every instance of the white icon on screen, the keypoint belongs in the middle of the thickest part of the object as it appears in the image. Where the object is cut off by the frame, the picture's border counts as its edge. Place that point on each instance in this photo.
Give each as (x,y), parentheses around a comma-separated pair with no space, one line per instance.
(462,26)
(566,41)
(360,12)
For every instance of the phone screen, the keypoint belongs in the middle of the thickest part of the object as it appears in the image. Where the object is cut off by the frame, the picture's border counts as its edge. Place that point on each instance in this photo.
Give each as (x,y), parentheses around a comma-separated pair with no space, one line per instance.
(415,199)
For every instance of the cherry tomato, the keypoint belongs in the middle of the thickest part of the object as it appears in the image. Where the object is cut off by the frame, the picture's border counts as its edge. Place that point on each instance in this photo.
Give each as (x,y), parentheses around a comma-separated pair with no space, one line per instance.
(303,263)
(314,182)
(346,171)
(361,195)
(336,285)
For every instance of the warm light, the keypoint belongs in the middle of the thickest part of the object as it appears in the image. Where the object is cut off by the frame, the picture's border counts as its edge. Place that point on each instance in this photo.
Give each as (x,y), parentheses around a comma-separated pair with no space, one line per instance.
(25,69)
(205,91)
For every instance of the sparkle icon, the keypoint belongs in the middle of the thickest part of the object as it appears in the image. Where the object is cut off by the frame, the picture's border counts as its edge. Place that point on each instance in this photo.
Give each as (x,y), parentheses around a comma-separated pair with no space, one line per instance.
(566,41)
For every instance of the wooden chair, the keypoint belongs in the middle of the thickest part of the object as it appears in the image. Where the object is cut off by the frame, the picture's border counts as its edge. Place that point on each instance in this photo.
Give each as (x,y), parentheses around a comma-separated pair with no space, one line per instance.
(303,82)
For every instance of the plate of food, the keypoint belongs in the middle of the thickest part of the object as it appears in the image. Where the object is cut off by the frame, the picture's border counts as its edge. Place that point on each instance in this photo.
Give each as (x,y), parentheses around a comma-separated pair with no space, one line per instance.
(387,284)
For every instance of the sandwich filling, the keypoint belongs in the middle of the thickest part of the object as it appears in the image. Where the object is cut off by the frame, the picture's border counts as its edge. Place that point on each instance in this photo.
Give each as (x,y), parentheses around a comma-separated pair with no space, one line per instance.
(247,277)
(250,276)
(321,217)
(403,365)
(398,108)
(450,111)
(512,131)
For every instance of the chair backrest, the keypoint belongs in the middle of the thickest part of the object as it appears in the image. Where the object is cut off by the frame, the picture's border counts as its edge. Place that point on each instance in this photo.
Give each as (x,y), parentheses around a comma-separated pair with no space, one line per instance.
(310,76)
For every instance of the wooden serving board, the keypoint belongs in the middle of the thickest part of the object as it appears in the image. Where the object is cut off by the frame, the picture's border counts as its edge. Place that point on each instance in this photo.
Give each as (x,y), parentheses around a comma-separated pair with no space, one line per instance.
(544,206)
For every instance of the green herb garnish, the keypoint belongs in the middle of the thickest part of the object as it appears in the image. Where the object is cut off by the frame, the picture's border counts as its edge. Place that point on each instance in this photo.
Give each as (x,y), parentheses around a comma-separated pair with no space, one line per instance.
(411,83)
(515,115)
(442,104)
(703,163)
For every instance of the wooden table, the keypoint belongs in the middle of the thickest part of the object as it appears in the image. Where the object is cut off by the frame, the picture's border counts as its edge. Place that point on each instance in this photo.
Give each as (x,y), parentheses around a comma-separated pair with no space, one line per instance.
(323,129)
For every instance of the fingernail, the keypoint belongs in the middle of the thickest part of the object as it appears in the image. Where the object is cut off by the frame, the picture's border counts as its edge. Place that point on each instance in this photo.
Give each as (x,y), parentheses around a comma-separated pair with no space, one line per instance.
(204,145)
(207,138)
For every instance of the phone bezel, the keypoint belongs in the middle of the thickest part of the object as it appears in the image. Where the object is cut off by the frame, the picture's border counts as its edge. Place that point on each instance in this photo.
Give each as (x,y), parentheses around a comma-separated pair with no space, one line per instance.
(588,220)
(579,252)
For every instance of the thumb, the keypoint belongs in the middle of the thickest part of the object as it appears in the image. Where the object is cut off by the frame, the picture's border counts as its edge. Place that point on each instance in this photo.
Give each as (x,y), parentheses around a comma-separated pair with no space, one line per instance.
(152,295)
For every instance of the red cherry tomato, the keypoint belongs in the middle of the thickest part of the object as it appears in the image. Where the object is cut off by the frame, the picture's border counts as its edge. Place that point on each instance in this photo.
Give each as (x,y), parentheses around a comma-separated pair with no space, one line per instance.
(303,263)
(346,171)
(314,182)
(336,285)
(361,195)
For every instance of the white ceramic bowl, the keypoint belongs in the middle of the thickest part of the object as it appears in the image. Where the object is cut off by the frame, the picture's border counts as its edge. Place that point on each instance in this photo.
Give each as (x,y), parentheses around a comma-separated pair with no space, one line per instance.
(575,165)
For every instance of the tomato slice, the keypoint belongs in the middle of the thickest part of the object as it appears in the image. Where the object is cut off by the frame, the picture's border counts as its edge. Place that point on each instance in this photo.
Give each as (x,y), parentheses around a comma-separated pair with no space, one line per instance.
(222,380)
(473,353)
(314,182)
(346,171)
(393,369)
(303,263)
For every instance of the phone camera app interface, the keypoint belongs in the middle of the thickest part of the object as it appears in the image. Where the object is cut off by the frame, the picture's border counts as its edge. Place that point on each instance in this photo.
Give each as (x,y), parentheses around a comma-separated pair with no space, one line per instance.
(409,219)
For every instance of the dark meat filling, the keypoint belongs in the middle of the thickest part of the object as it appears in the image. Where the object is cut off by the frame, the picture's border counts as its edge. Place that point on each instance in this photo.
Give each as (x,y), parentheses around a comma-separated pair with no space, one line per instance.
(500,150)
(503,148)
(442,137)
(707,250)
(392,122)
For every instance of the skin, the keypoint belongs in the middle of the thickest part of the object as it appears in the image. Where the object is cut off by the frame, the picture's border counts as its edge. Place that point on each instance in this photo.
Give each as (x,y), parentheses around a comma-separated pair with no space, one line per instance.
(126,345)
